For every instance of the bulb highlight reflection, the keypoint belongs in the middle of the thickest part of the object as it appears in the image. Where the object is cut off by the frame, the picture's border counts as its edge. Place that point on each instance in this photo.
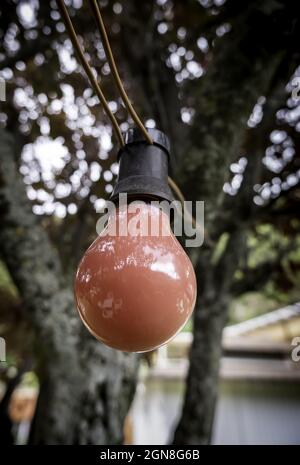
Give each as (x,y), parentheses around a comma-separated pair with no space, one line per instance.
(134,292)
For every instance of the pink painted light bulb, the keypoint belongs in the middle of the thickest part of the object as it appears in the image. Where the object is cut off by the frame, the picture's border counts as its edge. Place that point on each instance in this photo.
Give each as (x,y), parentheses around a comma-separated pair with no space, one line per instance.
(135,292)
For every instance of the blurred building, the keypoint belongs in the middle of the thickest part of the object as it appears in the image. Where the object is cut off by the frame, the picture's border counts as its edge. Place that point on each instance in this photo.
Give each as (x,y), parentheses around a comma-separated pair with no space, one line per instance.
(259,401)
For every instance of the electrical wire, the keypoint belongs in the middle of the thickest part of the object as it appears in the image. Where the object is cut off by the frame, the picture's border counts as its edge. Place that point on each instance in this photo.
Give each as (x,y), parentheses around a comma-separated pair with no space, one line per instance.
(112,64)
(72,34)
(194,222)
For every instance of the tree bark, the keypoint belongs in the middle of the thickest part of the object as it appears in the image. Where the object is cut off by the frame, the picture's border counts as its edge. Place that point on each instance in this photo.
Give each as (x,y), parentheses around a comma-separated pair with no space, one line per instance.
(195,425)
(86,389)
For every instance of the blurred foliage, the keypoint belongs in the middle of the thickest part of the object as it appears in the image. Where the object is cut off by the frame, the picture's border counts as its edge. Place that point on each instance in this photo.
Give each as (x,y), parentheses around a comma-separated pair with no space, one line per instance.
(6,283)
(282,285)
(29,379)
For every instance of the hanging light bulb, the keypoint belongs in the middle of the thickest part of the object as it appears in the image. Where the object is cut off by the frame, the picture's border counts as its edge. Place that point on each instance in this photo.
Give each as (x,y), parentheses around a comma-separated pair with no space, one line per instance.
(135,286)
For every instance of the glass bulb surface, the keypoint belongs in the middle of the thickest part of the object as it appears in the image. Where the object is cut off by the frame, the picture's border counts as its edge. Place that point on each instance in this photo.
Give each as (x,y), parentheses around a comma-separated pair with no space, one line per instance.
(134,292)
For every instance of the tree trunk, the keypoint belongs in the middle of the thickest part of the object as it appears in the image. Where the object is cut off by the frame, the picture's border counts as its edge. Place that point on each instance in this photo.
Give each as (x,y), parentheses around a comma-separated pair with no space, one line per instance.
(210,316)
(86,389)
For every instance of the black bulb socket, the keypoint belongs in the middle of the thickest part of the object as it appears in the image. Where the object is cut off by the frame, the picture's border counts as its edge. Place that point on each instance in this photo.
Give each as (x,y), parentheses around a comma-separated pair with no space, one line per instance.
(143,167)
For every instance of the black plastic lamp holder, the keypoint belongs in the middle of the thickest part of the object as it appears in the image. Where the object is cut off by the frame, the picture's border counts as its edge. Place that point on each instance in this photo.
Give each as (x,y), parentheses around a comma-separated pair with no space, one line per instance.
(143,167)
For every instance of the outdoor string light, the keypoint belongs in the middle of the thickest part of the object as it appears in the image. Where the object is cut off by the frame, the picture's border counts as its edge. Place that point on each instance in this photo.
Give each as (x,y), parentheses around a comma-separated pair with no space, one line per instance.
(134,292)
